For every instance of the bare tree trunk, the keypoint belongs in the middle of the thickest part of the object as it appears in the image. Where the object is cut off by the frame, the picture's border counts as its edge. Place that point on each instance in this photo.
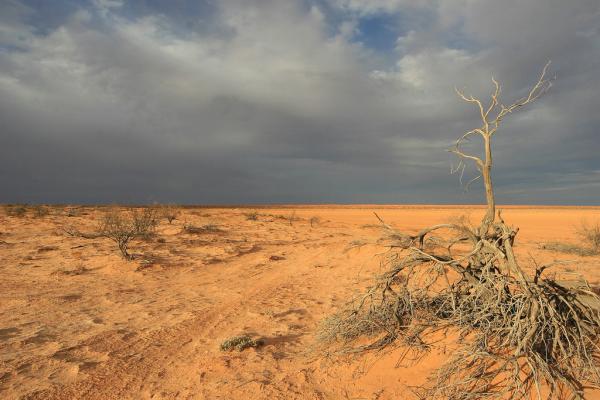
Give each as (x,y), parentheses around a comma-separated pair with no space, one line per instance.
(490,214)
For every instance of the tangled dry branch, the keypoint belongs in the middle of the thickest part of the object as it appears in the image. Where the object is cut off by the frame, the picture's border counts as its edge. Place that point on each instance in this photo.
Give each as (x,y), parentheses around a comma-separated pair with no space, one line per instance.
(517,332)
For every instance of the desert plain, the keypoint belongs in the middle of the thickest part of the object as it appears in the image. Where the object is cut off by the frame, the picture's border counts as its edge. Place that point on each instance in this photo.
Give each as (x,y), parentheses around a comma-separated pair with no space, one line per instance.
(78,321)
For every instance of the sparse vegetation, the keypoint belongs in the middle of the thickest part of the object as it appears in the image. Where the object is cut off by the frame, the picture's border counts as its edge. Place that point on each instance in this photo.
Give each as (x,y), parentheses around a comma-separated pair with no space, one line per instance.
(144,222)
(208,228)
(291,218)
(40,211)
(314,221)
(251,216)
(16,210)
(240,343)
(122,227)
(516,331)
(169,213)
(73,212)
(569,248)
(590,239)
(590,234)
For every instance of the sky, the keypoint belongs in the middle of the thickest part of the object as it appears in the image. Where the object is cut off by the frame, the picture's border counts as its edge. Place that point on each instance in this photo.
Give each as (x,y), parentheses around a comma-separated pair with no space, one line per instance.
(293,101)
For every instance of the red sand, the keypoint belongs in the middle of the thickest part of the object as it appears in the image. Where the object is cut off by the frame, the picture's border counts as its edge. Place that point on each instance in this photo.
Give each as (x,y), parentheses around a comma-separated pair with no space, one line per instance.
(117,330)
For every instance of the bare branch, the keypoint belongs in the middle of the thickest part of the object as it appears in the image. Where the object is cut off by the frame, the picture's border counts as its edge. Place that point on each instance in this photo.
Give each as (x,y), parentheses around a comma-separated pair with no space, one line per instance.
(471,181)
(494,100)
(472,99)
(459,153)
(542,86)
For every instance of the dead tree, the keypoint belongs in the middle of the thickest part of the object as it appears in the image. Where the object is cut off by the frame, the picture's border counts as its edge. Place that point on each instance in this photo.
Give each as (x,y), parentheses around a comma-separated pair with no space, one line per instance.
(491,117)
(520,334)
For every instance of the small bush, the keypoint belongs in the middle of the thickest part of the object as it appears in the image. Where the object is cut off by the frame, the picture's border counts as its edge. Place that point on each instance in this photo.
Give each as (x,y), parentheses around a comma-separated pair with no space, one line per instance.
(40,211)
(590,237)
(169,213)
(73,212)
(145,222)
(240,343)
(17,210)
(122,228)
(251,216)
(292,217)
(314,221)
(590,234)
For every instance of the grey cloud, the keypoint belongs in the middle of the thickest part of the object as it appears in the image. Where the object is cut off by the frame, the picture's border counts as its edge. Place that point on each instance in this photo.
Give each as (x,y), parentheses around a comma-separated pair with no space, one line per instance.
(265,104)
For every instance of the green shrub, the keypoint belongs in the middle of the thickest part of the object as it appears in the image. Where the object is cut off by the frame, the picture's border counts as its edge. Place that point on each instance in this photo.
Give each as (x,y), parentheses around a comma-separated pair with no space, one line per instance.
(240,343)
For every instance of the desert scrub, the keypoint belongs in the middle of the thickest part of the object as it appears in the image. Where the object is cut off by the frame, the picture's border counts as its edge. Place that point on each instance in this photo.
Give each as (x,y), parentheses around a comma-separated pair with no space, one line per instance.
(122,227)
(208,228)
(169,213)
(73,212)
(314,221)
(40,211)
(16,210)
(251,216)
(589,245)
(145,222)
(569,248)
(240,343)
(292,218)
(590,234)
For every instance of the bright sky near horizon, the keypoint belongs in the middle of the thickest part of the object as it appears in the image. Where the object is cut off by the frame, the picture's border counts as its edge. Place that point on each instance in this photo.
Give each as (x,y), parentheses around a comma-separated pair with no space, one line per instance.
(275,101)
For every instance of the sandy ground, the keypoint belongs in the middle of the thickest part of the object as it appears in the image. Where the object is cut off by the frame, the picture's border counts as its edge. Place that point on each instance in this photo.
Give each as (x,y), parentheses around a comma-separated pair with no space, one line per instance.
(79,322)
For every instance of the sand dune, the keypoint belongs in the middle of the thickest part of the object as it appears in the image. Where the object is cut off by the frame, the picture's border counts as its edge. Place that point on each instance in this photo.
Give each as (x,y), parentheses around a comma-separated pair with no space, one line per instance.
(79,322)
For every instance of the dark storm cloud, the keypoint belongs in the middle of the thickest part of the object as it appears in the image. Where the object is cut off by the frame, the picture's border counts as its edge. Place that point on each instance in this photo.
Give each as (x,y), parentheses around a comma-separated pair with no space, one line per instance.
(299,101)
